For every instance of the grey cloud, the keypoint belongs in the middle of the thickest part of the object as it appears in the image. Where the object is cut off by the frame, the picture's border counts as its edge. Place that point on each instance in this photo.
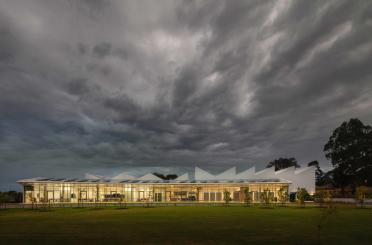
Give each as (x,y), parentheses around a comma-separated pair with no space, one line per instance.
(82,48)
(102,50)
(78,86)
(98,86)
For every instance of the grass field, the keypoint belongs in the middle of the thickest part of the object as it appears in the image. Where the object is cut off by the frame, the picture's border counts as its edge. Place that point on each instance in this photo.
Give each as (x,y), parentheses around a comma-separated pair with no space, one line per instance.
(184,225)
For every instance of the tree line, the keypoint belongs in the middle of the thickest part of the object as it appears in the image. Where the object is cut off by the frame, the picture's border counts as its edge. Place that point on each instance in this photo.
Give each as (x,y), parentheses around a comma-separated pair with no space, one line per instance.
(10,197)
(349,148)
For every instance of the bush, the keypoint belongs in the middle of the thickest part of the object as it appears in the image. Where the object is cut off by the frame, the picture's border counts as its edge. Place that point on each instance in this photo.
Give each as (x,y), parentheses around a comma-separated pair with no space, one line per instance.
(226,197)
(322,197)
(282,195)
(266,198)
(360,195)
(301,196)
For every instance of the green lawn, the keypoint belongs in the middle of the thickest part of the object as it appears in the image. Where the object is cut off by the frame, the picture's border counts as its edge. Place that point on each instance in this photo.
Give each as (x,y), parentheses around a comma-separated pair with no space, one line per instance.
(184,225)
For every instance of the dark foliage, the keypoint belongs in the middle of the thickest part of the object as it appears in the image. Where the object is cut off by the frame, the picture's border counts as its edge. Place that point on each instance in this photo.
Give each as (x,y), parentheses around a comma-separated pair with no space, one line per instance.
(350,150)
(321,178)
(166,177)
(282,163)
(11,197)
(292,196)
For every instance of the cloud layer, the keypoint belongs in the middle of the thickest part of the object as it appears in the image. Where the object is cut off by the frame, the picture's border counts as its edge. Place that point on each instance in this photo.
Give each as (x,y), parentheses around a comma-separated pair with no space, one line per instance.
(106,85)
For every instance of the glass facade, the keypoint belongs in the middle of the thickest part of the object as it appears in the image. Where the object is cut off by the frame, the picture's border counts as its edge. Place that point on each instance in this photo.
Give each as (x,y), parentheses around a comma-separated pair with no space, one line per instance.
(75,192)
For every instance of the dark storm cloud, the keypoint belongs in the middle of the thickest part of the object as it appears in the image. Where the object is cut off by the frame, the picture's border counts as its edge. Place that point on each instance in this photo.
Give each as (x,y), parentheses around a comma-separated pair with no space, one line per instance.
(102,50)
(100,86)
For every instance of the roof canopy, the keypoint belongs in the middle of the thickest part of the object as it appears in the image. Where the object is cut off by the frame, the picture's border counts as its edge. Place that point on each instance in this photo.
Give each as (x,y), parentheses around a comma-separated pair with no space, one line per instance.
(201,176)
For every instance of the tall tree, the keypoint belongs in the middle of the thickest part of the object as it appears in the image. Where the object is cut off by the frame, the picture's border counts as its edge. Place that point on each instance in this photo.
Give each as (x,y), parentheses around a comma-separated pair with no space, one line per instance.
(350,150)
(319,174)
(282,163)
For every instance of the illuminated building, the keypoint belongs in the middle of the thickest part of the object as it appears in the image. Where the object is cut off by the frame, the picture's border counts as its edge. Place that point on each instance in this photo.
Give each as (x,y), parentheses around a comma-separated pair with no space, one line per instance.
(204,187)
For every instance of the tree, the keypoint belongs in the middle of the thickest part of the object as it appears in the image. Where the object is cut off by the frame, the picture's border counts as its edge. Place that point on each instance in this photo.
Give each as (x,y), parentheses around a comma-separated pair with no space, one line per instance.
(301,196)
(226,197)
(320,177)
(360,195)
(122,203)
(266,197)
(283,195)
(12,196)
(350,150)
(326,213)
(313,163)
(282,163)
(247,196)
(166,177)
(323,197)
(3,199)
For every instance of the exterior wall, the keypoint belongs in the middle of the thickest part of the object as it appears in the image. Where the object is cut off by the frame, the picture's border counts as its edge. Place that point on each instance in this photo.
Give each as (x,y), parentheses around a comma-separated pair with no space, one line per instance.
(302,178)
(54,192)
(299,178)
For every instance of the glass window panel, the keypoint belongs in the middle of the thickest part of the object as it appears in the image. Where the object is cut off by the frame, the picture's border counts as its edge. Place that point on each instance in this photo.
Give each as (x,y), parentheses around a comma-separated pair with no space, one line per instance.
(213,196)
(206,196)
(218,196)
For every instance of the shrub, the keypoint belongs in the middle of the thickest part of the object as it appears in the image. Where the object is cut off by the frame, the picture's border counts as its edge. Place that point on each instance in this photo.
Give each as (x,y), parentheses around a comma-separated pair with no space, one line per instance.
(360,195)
(266,198)
(283,195)
(323,197)
(226,197)
(247,196)
(301,196)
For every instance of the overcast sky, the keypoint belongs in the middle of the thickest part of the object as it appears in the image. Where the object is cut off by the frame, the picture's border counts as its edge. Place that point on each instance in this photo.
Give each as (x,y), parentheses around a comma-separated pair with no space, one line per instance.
(102,86)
